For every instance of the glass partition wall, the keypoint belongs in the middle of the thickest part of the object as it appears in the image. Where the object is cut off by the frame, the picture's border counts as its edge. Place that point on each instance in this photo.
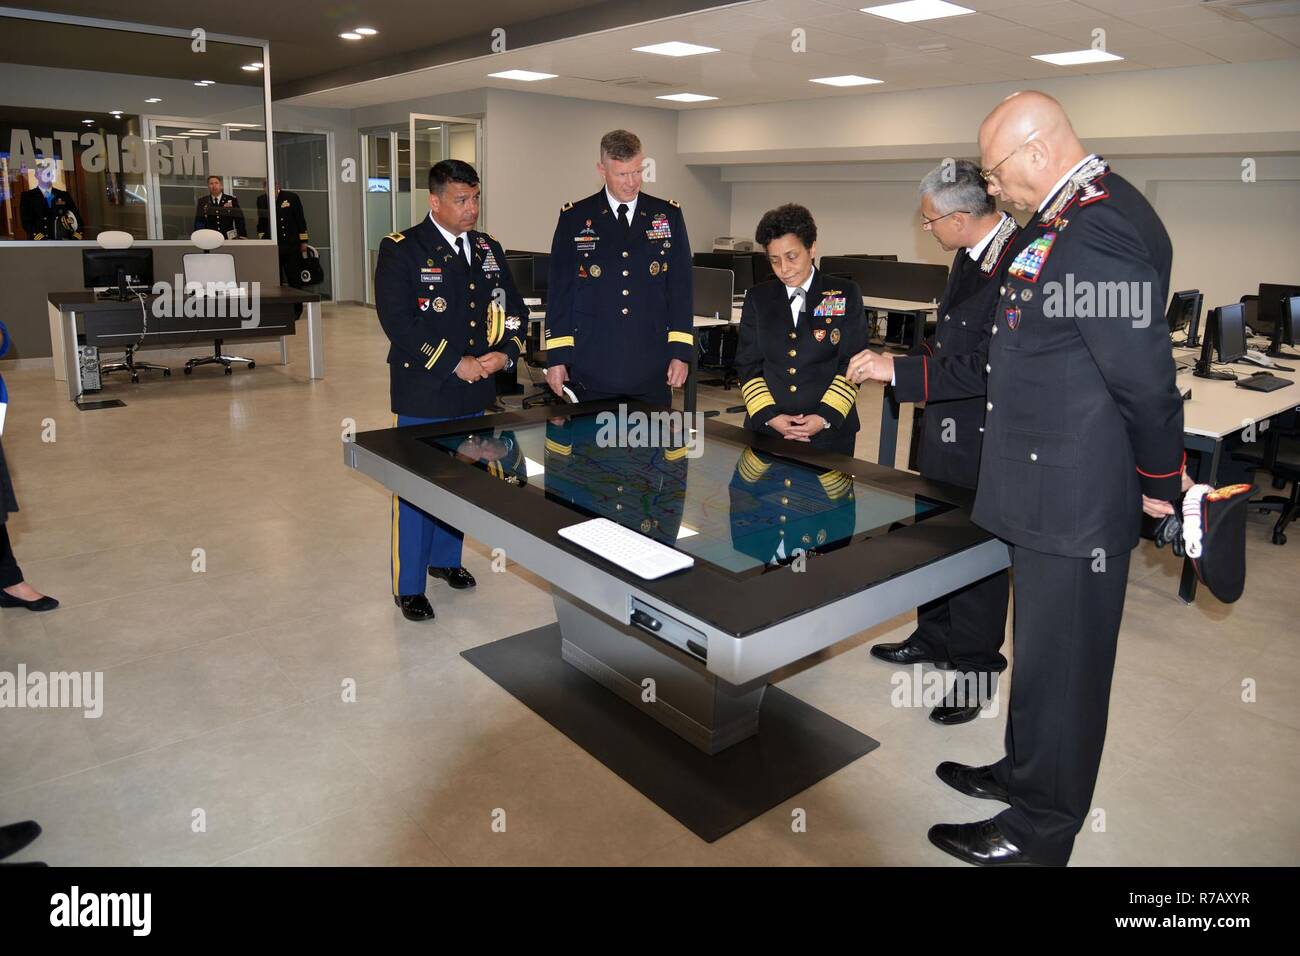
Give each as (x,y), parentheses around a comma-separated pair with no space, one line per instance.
(129,137)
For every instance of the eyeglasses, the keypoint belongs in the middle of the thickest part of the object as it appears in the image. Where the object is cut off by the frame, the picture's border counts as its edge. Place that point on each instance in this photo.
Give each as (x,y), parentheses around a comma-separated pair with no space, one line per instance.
(927,223)
(987,174)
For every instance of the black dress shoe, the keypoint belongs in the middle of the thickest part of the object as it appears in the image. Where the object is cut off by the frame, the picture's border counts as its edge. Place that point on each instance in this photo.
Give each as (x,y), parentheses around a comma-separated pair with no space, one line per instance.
(907,652)
(15,836)
(45,603)
(979,843)
(950,714)
(415,607)
(458,578)
(972,781)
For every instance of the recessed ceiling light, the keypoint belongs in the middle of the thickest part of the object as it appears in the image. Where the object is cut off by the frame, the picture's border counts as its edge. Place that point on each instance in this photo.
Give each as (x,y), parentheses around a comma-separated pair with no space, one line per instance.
(675,48)
(350,36)
(1075,57)
(914,11)
(686,97)
(527,76)
(850,79)
(366,31)
(114,112)
(250,67)
(88,122)
(205,82)
(154,99)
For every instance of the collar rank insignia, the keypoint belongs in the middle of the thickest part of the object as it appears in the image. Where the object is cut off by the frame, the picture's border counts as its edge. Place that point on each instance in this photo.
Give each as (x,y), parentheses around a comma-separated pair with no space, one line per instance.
(998,245)
(1085,176)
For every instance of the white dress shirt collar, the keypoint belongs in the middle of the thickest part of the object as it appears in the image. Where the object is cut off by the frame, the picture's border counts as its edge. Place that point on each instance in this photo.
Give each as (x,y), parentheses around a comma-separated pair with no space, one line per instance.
(797,304)
(451,239)
(977,250)
(615,203)
(1061,182)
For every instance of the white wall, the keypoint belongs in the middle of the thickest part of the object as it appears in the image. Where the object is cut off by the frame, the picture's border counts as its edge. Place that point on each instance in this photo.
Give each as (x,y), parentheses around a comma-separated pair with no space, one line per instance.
(542,151)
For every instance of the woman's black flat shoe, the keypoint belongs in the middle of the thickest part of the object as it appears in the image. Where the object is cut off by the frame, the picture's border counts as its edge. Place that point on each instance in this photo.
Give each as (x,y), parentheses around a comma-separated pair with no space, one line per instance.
(45,603)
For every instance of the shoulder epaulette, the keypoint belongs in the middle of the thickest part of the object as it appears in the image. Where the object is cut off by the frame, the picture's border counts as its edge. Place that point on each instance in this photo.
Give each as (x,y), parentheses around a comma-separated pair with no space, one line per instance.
(674,202)
(998,245)
(395,236)
(566,207)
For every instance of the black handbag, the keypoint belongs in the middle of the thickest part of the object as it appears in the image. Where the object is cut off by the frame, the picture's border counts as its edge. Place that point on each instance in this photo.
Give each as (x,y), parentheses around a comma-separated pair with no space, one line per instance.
(310,271)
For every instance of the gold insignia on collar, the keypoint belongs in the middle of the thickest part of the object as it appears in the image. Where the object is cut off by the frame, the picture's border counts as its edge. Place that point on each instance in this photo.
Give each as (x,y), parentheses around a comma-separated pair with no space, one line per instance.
(395,236)
(566,207)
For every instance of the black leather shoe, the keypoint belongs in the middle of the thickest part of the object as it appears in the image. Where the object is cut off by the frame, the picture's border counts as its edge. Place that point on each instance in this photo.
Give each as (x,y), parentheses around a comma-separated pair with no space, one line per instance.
(979,843)
(458,578)
(906,652)
(15,836)
(415,607)
(972,781)
(45,603)
(951,715)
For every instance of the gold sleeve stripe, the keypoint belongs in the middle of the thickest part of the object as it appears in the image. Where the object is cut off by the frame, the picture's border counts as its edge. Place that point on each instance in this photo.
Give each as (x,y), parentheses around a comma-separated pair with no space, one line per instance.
(837,401)
(845,386)
(555,447)
(519,342)
(560,342)
(757,396)
(437,353)
(685,338)
(675,454)
(751,466)
(836,483)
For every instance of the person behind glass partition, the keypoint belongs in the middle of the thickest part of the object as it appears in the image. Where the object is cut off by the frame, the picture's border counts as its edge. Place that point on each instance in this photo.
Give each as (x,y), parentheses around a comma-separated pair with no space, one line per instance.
(47,212)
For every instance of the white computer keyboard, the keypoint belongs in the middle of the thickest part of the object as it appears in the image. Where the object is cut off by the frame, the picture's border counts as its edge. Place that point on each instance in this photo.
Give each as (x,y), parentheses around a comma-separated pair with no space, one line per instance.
(629,550)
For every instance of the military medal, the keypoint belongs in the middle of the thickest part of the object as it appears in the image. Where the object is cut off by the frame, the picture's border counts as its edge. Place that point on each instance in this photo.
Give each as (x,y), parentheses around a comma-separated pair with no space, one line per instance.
(424,304)
(835,336)
(819,334)
(654,268)
(1013,319)
(440,304)
(595,271)
(1029,262)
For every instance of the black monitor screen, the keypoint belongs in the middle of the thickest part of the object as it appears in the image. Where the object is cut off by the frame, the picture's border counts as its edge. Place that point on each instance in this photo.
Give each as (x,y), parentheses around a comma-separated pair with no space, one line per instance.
(521,270)
(743,267)
(762,268)
(1184,311)
(712,292)
(1230,331)
(541,272)
(1289,327)
(1269,310)
(100,268)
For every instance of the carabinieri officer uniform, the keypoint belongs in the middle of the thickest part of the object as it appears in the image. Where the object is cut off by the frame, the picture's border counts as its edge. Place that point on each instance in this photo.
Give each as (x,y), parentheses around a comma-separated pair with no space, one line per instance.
(965,629)
(1083,418)
(438,302)
(619,303)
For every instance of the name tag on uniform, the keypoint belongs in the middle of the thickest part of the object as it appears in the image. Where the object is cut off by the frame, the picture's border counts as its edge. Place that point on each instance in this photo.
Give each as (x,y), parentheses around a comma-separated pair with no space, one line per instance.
(1029,263)
(659,228)
(430,275)
(830,305)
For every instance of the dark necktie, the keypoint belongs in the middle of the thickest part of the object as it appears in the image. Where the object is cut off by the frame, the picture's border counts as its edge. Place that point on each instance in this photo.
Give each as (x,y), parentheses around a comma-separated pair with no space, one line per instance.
(460,248)
(622,216)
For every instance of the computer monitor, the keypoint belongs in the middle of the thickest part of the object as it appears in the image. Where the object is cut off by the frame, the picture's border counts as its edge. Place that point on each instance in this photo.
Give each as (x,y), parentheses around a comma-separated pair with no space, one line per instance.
(1184,312)
(762,267)
(541,273)
(713,290)
(116,269)
(1225,334)
(743,269)
(521,270)
(1270,304)
(1287,329)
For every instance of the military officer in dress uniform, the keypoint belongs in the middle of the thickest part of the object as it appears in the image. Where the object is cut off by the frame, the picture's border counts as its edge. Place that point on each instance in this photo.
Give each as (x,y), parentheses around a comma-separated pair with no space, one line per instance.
(619,311)
(796,338)
(962,630)
(49,213)
(450,308)
(220,211)
(1083,432)
(780,510)
(291,233)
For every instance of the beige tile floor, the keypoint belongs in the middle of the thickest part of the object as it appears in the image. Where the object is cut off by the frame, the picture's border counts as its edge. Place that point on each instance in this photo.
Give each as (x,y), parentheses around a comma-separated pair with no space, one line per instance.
(223,688)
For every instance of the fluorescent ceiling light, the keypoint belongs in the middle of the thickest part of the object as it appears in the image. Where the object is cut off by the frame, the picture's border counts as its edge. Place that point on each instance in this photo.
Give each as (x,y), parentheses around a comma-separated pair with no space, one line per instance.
(250,68)
(686,97)
(914,11)
(366,31)
(244,125)
(350,36)
(850,79)
(154,99)
(205,132)
(1075,57)
(527,76)
(675,48)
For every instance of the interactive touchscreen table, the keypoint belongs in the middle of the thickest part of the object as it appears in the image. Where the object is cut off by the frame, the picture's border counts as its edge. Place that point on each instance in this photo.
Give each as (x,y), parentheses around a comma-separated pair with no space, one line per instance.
(794,550)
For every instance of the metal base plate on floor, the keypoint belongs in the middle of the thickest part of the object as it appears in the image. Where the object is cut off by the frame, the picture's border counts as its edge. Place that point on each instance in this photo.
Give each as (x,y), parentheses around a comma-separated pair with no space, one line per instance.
(796,745)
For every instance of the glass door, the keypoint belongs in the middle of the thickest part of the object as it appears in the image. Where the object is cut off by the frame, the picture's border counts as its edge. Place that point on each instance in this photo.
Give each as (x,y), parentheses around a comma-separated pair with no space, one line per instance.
(377,151)
(436,138)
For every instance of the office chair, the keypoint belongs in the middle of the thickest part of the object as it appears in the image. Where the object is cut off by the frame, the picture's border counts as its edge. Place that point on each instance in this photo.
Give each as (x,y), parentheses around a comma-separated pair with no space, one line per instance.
(1282,460)
(211,270)
(116,239)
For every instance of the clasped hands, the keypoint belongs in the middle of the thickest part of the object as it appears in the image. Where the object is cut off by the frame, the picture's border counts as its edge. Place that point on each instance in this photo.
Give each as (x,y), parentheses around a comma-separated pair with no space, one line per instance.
(798,427)
(471,369)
